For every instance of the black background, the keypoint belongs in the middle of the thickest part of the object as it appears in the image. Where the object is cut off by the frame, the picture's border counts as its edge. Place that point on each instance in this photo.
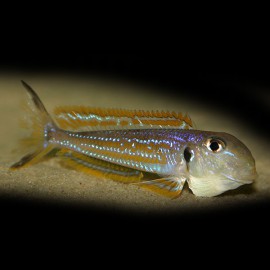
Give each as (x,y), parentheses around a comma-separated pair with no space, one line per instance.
(222,56)
(224,81)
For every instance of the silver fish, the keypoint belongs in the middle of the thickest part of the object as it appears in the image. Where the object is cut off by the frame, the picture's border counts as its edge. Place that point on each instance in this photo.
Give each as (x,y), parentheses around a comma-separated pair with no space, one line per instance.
(210,162)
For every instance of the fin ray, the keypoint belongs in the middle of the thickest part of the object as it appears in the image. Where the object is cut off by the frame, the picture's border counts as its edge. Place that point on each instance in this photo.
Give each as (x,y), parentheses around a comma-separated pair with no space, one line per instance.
(32,158)
(99,168)
(41,124)
(170,187)
(82,118)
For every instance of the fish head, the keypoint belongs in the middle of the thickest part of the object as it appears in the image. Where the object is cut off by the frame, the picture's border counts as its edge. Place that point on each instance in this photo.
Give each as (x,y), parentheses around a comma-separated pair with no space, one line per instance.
(217,162)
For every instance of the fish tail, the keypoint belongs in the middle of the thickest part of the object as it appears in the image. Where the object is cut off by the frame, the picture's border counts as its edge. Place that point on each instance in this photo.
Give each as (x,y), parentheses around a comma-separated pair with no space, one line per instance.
(42,126)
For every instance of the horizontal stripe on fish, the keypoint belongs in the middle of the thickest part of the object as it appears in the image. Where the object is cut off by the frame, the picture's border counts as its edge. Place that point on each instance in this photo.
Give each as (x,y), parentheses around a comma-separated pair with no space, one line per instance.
(80,118)
(146,150)
(99,168)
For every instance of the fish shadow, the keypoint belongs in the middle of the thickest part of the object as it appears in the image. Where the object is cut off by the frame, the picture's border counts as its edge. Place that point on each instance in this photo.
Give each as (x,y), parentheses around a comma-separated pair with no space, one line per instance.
(242,190)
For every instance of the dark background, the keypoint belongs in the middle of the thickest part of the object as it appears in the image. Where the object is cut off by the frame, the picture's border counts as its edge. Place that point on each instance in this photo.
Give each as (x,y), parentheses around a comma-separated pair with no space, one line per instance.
(237,84)
(226,60)
(227,82)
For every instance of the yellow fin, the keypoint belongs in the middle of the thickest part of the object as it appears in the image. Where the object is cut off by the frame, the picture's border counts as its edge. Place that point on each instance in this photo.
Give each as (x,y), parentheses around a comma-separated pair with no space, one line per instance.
(37,144)
(99,168)
(33,158)
(82,118)
(170,187)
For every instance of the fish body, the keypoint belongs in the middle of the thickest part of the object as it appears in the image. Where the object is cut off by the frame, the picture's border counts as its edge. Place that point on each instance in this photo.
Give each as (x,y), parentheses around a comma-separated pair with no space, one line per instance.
(126,145)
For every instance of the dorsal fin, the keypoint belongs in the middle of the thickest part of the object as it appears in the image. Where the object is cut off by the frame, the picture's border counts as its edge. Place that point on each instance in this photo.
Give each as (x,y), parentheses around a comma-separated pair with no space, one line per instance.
(82,118)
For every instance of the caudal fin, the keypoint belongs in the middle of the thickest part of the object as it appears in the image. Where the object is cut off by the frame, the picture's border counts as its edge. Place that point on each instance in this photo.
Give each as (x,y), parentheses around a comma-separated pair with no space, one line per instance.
(42,125)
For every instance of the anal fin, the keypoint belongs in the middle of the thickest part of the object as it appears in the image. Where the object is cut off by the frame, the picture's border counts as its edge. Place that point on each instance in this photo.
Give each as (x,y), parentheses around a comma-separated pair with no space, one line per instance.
(99,168)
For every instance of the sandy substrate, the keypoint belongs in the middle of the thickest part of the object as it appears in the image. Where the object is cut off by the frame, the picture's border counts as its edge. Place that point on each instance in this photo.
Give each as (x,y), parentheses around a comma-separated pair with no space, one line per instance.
(50,182)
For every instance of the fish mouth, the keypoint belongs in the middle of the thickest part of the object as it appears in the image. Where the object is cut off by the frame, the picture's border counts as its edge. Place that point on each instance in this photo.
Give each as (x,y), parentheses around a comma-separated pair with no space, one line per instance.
(243,180)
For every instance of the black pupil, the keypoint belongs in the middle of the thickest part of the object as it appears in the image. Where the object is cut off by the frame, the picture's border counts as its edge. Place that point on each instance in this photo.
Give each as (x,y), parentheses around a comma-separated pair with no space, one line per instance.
(187,154)
(214,146)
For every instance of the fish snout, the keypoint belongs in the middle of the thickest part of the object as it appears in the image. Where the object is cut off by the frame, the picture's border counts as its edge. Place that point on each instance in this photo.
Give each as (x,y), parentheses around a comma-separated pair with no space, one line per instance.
(249,177)
(245,177)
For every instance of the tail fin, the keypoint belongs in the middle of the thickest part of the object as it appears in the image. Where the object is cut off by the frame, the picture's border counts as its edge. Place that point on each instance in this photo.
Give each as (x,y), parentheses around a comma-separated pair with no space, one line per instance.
(42,126)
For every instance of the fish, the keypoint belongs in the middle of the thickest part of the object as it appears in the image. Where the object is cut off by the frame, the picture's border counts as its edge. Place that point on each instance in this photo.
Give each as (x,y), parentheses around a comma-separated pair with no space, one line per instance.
(156,150)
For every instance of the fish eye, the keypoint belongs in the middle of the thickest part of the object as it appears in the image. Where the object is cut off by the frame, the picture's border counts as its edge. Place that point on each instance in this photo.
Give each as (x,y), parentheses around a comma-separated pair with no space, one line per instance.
(215,145)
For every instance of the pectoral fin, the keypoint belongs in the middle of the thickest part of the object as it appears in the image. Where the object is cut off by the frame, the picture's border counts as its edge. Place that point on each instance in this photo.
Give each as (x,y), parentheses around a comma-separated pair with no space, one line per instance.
(170,187)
